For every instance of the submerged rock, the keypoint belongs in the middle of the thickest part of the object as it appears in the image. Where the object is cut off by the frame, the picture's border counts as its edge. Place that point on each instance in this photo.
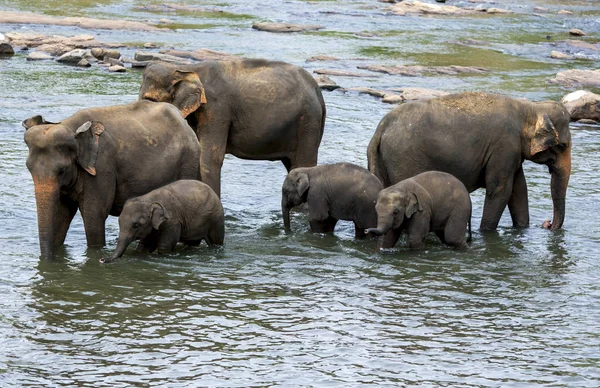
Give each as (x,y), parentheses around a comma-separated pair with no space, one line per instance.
(582,105)
(6,49)
(326,83)
(401,95)
(578,77)
(285,27)
(82,22)
(340,73)
(559,55)
(39,56)
(416,70)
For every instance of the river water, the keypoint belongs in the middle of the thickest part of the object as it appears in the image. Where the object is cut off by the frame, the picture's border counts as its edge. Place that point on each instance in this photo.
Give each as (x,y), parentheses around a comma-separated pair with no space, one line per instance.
(519,308)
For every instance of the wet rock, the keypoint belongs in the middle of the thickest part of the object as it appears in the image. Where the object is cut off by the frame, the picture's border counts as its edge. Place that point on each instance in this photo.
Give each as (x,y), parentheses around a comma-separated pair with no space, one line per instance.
(102,53)
(341,73)
(39,56)
(172,7)
(82,22)
(564,12)
(6,49)
(147,56)
(576,77)
(97,52)
(55,49)
(201,55)
(285,27)
(84,63)
(582,105)
(583,45)
(150,45)
(417,7)
(139,64)
(322,58)
(326,83)
(541,9)
(165,21)
(113,61)
(415,71)
(559,55)
(117,69)
(492,11)
(576,32)
(419,94)
(73,56)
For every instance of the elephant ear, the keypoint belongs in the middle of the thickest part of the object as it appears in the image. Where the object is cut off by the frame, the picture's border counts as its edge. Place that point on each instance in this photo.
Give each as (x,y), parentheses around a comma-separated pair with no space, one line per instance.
(88,139)
(302,184)
(413,205)
(158,214)
(33,121)
(544,136)
(188,92)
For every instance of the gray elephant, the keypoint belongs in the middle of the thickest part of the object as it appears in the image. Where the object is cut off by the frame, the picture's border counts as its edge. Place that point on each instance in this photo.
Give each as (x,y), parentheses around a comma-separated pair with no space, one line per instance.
(185,211)
(251,108)
(482,139)
(333,192)
(432,201)
(98,158)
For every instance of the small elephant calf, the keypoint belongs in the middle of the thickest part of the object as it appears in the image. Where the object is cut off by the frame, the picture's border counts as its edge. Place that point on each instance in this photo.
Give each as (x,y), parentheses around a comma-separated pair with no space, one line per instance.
(333,192)
(432,201)
(186,210)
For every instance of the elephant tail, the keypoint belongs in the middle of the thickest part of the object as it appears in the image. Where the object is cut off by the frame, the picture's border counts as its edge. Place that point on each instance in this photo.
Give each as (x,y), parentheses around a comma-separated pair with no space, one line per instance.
(375,162)
(470,238)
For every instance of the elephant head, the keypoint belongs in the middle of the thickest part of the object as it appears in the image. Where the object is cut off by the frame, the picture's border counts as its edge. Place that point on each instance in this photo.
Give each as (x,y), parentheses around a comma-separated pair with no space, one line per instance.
(137,220)
(164,82)
(293,193)
(546,139)
(57,154)
(393,206)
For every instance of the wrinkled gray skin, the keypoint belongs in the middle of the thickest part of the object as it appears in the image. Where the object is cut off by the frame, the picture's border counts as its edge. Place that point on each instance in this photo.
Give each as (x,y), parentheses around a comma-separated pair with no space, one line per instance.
(432,201)
(185,211)
(98,158)
(251,108)
(333,192)
(482,139)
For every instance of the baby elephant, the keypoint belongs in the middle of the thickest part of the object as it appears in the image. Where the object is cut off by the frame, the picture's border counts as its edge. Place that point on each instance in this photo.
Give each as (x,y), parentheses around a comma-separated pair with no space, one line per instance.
(341,191)
(186,210)
(432,201)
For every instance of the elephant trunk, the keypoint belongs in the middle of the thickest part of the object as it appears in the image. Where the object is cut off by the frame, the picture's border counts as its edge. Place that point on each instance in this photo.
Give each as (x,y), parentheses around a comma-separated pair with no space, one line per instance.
(561,171)
(285,209)
(384,224)
(46,197)
(122,245)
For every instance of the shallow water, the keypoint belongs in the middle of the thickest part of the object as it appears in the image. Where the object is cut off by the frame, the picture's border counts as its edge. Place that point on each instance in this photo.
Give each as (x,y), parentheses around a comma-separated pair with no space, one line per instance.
(519,308)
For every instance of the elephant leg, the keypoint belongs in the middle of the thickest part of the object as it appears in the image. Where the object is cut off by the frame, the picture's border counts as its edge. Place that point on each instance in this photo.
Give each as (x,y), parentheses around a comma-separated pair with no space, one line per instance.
(65,211)
(440,234)
(287,162)
(518,203)
(216,235)
(498,191)
(323,226)
(308,134)
(417,231)
(359,231)
(455,231)
(213,145)
(94,228)
(149,243)
(390,239)
(168,237)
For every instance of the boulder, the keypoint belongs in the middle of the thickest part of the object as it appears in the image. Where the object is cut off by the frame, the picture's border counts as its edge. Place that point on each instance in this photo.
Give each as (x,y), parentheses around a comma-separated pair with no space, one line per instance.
(326,83)
(73,56)
(564,12)
(84,63)
(419,94)
(559,55)
(285,27)
(6,49)
(39,56)
(113,61)
(142,56)
(576,32)
(55,49)
(117,69)
(582,105)
(578,77)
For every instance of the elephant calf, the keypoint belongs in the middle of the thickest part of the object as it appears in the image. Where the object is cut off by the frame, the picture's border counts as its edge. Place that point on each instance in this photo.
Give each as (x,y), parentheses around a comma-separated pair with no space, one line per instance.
(186,210)
(341,191)
(431,201)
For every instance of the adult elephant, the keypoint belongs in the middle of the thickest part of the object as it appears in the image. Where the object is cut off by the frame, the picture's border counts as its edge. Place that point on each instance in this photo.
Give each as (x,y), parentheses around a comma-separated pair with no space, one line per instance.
(251,108)
(98,158)
(482,139)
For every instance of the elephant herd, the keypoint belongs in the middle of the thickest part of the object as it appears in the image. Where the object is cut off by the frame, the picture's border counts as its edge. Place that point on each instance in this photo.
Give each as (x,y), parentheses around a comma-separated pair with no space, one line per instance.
(156,163)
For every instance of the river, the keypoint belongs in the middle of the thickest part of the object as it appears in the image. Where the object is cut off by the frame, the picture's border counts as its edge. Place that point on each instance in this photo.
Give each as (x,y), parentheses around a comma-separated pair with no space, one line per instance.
(520,307)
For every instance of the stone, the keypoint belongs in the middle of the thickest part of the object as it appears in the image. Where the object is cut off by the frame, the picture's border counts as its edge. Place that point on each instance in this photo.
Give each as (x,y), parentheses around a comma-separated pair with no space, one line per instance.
(55,49)
(559,55)
(200,54)
(117,69)
(564,12)
(148,56)
(341,73)
(417,70)
(97,52)
(419,94)
(285,27)
(498,11)
(578,77)
(6,49)
(73,56)
(582,105)
(84,63)
(415,7)
(326,83)
(139,64)
(39,56)
(112,54)
(541,9)
(322,58)
(576,32)
(81,22)
(113,61)
(150,45)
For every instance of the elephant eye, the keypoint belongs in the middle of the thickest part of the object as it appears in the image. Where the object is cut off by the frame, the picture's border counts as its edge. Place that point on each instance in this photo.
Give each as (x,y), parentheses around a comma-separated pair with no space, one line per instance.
(396,212)
(561,147)
(135,225)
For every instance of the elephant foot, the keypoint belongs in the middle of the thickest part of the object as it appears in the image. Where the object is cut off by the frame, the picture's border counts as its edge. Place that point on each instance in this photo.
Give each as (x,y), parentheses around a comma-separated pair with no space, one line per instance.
(547,224)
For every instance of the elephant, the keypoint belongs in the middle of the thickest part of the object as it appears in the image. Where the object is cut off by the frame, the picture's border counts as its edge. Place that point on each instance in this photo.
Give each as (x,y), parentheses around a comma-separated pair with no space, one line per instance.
(431,201)
(250,108)
(341,191)
(98,158)
(185,211)
(482,139)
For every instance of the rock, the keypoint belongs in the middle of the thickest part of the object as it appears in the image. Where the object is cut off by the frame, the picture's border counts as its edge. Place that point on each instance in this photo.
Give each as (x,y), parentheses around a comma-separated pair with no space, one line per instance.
(55,49)
(576,32)
(150,45)
(559,55)
(541,9)
(417,7)
(583,45)
(165,21)
(6,49)
(326,83)
(370,92)
(82,22)
(73,56)
(97,52)
(419,94)
(564,12)
(582,105)
(117,69)
(116,54)
(340,73)
(139,64)
(200,54)
(84,63)
(322,58)
(415,71)
(113,61)
(39,56)
(574,77)
(147,56)
(285,27)
(498,11)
